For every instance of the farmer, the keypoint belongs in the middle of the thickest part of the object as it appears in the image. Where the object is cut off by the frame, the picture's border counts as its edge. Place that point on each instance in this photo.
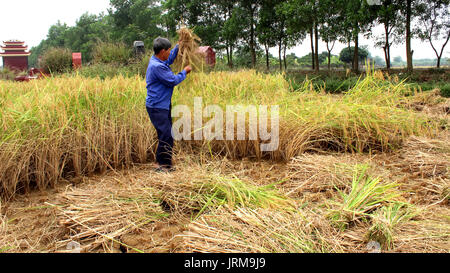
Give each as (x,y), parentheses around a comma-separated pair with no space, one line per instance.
(160,83)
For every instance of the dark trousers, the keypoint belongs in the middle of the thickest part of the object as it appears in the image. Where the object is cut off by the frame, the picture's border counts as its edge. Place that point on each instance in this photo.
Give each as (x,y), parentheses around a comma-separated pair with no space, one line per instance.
(162,120)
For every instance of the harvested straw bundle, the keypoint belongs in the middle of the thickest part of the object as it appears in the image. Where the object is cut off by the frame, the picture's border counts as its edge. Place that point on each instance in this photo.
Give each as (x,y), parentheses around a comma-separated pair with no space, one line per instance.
(425,158)
(98,221)
(313,173)
(260,231)
(188,53)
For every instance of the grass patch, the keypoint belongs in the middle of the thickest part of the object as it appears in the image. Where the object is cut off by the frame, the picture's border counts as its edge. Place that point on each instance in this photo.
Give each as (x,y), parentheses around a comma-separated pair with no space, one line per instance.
(445,90)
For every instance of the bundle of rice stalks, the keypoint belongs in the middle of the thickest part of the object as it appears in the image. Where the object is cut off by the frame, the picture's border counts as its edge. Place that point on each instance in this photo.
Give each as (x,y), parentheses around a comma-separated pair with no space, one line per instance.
(234,192)
(204,192)
(425,158)
(95,220)
(188,53)
(423,165)
(260,231)
(366,195)
(386,219)
(420,100)
(320,173)
(429,232)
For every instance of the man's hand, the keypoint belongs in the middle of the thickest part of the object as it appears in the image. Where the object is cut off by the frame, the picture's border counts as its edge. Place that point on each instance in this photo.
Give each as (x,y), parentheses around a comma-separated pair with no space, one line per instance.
(188,69)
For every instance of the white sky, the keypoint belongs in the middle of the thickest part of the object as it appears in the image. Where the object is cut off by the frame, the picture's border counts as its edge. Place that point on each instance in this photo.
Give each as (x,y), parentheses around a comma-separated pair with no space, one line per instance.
(29,20)
(422,50)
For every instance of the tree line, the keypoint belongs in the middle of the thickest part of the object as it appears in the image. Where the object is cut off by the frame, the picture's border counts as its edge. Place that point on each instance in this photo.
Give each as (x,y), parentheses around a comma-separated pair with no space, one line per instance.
(230,26)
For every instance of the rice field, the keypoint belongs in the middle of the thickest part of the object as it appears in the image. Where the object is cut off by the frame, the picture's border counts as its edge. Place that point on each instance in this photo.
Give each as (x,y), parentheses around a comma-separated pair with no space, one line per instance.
(367,166)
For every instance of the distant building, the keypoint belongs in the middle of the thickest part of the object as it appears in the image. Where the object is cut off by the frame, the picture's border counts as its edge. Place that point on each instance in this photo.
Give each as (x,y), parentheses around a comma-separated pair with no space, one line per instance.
(15,55)
(210,55)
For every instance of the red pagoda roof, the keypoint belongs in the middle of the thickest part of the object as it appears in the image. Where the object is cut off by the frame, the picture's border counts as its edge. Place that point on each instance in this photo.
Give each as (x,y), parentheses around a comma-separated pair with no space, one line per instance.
(13,42)
(14,47)
(14,54)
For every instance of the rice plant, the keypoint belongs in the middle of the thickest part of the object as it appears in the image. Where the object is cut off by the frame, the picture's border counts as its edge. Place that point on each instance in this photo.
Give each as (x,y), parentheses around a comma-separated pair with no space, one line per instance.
(188,55)
(61,127)
(386,219)
(234,192)
(366,195)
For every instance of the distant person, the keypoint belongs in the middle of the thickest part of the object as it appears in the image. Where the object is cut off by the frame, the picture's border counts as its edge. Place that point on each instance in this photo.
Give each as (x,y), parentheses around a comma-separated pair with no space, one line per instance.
(160,83)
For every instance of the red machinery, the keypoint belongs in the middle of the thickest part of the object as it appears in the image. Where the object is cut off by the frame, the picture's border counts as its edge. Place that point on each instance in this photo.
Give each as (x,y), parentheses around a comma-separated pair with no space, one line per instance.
(33,74)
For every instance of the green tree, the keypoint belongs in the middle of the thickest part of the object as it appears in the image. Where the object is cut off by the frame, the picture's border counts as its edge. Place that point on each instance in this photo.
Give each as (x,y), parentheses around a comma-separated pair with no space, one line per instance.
(135,20)
(56,35)
(250,20)
(55,38)
(299,21)
(435,25)
(87,32)
(409,9)
(389,15)
(398,59)
(217,23)
(231,29)
(379,61)
(329,27)
(356,17)
(266,27)
(347,54)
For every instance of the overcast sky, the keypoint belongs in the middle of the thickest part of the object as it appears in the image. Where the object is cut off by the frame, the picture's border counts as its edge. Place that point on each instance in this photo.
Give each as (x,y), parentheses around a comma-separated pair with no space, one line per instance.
(29,20)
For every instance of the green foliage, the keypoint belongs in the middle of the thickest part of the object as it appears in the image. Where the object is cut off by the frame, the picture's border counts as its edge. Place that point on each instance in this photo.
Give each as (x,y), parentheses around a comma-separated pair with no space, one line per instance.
(390,16)
(243,57)
(445,90)
(379,61)
(111,70)
(331,83)
(104,71)
(134,20)
(434,25)
(346,54)
(87,32)
(57,60)
(398,59)
(234,26)
(117,53)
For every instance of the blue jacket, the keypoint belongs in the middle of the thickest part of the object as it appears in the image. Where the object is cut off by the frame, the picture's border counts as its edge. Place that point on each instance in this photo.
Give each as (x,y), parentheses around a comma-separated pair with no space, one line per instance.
(161,81)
